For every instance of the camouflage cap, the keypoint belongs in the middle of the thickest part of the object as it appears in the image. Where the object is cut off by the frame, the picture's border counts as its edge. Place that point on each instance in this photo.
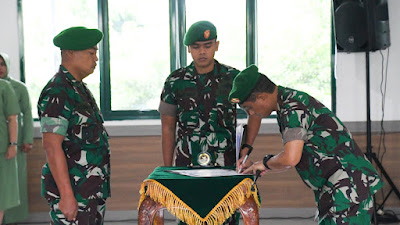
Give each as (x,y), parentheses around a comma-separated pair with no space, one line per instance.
(200,31)
(77,38)
(243,84)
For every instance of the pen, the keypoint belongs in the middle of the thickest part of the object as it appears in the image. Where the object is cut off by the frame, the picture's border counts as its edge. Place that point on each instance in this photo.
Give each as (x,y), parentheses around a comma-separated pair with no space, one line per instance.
(247,155)
(255,179)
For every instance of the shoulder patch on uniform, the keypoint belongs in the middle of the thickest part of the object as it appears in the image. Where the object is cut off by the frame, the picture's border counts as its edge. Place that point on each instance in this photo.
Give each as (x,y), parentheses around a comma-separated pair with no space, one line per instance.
(235,100)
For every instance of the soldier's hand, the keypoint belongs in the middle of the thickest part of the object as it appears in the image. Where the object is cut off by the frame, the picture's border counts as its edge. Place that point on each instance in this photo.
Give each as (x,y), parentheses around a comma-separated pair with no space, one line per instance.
(256,166)
(243,153)
(11,152)
(69,207)
(243,167)
(26,147)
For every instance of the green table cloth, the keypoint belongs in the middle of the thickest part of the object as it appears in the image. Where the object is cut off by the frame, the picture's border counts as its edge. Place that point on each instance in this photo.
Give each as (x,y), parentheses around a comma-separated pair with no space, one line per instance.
(198,200)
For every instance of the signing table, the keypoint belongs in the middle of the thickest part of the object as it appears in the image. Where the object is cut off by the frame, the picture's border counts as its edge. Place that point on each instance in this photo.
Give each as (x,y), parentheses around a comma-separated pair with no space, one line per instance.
(208,200)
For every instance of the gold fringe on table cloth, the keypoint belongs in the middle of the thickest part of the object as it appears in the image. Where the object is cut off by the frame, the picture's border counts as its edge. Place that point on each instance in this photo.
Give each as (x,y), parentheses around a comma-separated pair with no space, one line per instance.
(219,214)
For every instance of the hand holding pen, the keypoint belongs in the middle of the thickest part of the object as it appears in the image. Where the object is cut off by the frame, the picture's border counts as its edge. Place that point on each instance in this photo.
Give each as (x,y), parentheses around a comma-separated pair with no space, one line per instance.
(247,155)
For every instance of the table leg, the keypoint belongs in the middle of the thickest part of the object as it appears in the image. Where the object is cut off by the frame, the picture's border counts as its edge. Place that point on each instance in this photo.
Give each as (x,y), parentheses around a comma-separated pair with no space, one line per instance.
(150,212)
(159,217)
(249,211)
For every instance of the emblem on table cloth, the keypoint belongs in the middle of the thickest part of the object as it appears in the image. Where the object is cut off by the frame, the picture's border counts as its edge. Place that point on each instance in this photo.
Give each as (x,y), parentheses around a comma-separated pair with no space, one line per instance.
(204,159)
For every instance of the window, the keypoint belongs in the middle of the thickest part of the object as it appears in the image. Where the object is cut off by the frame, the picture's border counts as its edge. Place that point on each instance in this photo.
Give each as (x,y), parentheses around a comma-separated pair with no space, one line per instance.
(139,53)
(289,40)
(294,41)
(41,23)
(230,24)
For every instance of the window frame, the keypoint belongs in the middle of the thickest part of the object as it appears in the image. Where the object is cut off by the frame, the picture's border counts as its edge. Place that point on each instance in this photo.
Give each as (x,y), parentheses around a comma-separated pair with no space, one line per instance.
(178,54)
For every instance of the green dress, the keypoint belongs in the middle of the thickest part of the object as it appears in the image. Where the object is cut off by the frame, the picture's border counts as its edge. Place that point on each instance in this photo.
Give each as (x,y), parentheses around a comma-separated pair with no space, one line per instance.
(9,196)
(25,135)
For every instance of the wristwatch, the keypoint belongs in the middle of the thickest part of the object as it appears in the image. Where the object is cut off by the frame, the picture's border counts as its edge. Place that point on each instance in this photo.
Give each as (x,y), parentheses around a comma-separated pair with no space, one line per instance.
(13,143)
(248,146)
(265,160)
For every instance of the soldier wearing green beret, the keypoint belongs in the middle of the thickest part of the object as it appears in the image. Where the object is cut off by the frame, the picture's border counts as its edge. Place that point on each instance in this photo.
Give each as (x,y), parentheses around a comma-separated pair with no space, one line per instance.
(316,143)
(76,177)
(195,101)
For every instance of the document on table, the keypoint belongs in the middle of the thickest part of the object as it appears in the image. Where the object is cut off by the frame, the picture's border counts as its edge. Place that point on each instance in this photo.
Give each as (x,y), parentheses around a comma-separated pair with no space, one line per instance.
(239,136)
(206,172)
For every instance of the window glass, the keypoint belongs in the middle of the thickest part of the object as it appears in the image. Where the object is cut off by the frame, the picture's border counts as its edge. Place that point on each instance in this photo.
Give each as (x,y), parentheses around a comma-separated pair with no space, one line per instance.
(139,52)
(41,23)
(229,17)
(294,45)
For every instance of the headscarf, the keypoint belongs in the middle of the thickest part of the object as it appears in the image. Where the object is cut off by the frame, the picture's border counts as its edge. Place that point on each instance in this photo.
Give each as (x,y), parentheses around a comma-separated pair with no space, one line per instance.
(6,59)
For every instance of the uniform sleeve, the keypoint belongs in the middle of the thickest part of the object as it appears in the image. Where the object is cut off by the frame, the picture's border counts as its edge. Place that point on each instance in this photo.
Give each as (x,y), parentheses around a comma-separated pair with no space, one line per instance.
(168,104)
(295,122)
(26,110)
(54,109)
(167,109)
(11,101)
(167,94)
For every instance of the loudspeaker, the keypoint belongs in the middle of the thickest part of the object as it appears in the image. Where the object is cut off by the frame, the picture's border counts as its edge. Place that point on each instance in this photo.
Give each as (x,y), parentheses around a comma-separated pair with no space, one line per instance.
(361,25)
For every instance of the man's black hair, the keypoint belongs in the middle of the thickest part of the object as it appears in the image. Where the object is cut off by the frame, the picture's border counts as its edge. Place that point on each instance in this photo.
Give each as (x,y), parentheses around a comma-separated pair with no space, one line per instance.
(264,84)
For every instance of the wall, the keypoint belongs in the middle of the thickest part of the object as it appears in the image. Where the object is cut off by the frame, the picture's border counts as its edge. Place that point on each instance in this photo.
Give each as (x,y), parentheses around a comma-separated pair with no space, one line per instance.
(351,82)
(9,34)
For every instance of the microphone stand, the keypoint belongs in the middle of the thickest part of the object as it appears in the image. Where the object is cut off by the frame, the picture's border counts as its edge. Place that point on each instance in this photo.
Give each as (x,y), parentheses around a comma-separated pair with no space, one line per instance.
(370,155)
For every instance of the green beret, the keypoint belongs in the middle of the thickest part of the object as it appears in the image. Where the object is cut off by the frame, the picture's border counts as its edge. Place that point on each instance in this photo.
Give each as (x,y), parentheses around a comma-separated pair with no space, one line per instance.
(243,84)
(200,31)
(77,38)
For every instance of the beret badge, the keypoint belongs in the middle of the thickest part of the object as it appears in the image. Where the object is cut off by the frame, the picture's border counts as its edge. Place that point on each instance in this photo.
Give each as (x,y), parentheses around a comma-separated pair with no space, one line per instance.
(206,34)
(235,100)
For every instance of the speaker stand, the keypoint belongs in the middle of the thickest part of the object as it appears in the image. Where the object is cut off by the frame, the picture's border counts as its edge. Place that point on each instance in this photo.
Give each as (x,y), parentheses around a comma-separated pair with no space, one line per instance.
(372,156)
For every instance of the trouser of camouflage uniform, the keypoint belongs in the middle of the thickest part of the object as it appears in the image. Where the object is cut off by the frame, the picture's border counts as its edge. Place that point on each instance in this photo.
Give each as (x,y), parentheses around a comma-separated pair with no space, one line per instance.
(90,212)
(355,215)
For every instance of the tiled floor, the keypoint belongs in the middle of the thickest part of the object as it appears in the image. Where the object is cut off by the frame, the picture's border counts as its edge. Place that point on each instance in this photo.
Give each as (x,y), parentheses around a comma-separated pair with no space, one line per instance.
(268,216)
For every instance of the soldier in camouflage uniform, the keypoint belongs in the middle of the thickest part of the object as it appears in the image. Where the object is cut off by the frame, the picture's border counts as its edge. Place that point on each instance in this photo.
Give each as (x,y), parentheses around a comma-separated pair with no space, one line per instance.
(76,177)
(196,98)
(316,143)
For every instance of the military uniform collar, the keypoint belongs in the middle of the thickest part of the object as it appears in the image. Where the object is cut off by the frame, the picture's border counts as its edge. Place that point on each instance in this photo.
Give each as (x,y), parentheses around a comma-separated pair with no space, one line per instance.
(215,71)
(69,76)
(280,96)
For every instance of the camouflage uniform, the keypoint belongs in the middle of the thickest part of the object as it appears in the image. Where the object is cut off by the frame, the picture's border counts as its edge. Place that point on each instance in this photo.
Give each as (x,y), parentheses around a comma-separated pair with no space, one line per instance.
(204,114)
(67,107)
(332,164)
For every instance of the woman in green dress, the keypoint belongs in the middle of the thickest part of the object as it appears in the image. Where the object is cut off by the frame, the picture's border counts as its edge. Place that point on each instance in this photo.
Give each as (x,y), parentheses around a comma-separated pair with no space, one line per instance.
(25,141)
(9,196)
